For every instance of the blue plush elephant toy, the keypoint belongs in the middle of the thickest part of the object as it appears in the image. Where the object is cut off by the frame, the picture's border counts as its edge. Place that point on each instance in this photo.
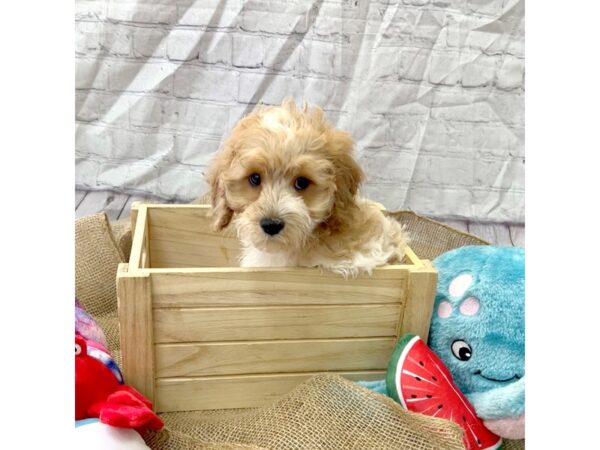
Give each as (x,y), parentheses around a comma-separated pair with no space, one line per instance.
(478,330)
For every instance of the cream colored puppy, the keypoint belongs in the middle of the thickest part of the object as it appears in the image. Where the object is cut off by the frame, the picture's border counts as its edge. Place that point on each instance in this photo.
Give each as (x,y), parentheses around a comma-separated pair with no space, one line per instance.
(288,181)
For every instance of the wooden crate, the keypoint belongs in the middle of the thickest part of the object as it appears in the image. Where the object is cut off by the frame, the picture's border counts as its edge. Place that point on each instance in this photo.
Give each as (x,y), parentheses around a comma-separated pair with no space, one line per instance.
(198,332)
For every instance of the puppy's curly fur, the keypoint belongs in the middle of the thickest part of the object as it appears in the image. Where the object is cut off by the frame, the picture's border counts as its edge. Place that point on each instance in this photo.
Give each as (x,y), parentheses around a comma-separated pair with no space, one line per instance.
(288,181)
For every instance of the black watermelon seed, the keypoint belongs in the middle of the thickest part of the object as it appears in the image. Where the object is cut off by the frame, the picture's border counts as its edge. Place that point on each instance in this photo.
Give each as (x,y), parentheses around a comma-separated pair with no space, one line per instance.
(421,363)
(413,396)
(440,406)
(417,378)
(429,395)
(478,441)
(434,378)
(464,419)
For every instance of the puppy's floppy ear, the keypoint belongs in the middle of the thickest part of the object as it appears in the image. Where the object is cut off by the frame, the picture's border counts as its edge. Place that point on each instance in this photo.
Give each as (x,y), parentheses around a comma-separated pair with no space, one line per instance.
(348,174)
(221,212)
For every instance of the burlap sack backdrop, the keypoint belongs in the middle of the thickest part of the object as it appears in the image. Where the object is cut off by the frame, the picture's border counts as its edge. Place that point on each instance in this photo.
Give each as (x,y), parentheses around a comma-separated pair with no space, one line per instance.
(325,412)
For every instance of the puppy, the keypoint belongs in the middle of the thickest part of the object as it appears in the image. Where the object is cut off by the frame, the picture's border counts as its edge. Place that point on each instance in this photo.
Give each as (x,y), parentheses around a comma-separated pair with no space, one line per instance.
(288,181)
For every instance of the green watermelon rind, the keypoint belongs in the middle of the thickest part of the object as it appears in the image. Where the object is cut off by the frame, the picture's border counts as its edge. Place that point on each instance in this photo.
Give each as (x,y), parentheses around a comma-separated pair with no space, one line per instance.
(403,346)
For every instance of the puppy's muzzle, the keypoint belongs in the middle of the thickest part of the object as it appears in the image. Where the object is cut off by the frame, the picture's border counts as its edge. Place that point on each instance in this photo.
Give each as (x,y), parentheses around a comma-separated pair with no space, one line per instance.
(272,226)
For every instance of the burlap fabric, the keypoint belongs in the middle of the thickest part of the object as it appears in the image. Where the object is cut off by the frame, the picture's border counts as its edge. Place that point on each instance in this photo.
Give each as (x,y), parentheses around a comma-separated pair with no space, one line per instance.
(325,412)
(97,255)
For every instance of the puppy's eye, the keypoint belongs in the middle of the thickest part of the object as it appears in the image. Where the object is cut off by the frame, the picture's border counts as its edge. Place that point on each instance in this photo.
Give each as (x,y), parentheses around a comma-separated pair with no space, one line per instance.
(301,183)
(461,350)
(254,179)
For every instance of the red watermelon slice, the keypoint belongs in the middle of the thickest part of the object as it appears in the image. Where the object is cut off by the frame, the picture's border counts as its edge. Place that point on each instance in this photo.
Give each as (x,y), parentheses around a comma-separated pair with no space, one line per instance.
(420,381)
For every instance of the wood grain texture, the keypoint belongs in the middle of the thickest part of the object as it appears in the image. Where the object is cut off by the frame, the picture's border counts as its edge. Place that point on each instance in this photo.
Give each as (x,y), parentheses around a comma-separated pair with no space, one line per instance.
(229,337)
(231,358)
(136,331)
(461,225)
(419,301)
(97,201)
(276,287)
(174,248)
(145,199)
(182,237)
(139,244)
(494,233)
(126,211)
(79,196)
(247,391)
(263,323)
(517,235)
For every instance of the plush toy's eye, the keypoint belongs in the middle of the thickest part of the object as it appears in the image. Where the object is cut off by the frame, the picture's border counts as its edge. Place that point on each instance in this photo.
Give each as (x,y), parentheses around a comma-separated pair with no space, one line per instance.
(301,183)
(254,179)
(461,350)
(77,349)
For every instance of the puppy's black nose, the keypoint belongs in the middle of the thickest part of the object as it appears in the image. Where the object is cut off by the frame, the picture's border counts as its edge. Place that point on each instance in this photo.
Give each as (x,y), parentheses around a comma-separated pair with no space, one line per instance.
(272,226)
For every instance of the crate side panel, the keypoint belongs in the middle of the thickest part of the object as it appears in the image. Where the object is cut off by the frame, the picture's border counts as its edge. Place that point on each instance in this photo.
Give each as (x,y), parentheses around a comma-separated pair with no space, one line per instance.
(188,394)
(420,297)
(177,249)
(232,358)
(265,323)
(182,237)
(136,331)
(280,287)
(139,245)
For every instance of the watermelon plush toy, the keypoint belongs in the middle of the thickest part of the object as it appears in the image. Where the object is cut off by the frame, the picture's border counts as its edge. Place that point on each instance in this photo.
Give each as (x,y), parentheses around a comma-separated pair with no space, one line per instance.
(420,381)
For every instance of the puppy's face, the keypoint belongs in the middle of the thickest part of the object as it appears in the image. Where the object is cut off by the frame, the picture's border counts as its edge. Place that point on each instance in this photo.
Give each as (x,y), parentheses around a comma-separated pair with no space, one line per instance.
(281,173)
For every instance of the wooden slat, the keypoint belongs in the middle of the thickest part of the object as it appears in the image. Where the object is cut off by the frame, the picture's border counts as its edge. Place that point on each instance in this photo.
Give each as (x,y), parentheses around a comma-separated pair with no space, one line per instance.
(411,258)
(174,248)
(517,235)
(419,301)
(494,233)
(231,358)
(96,201)
(140,241)
(182,237)
(502,234)
(126,211)
(146,199)
(460,225)
(136,331)
(276,287)
(264,323)
(145,258)
(79,196)
(182,394)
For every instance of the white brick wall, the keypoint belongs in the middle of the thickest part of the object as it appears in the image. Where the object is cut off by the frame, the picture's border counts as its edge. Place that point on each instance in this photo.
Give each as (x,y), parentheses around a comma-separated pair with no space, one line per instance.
(431,90)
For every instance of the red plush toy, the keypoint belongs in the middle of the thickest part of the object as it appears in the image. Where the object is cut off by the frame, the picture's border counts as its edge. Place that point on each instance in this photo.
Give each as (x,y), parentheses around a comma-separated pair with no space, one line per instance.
(100,392)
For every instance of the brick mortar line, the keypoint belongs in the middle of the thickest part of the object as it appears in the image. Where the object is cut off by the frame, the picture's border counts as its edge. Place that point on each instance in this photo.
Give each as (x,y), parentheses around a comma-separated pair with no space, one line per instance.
(161,59)
(94,157)
(459,50)
(81,15)
(152,130)
(403,184)
(311,75)
(442,88)
(386,147)
(509,126)
(209,102)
